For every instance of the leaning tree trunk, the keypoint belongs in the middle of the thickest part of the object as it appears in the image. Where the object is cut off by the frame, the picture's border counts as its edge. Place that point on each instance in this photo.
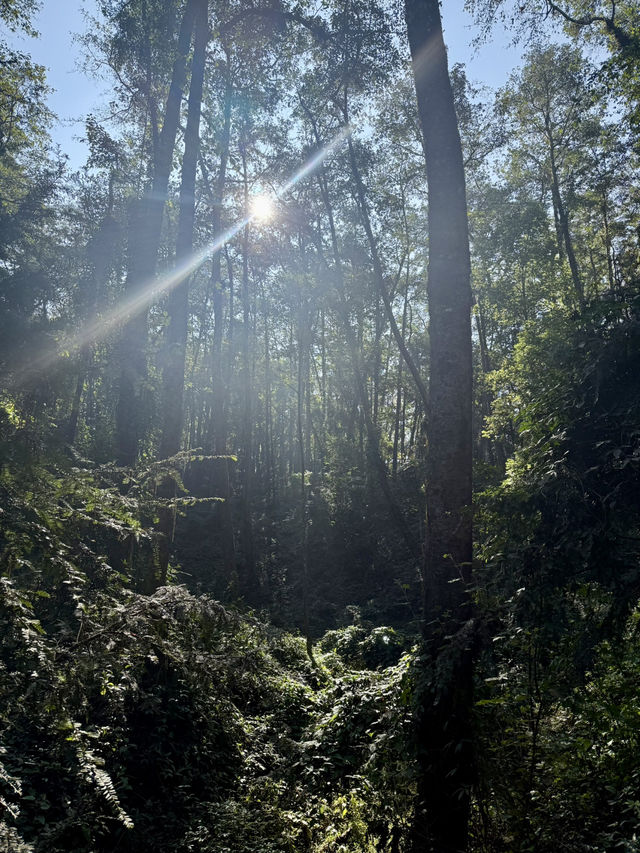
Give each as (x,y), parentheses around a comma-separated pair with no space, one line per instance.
(373,439)
(445,694)
(178,302)
(176,340)
(145,228)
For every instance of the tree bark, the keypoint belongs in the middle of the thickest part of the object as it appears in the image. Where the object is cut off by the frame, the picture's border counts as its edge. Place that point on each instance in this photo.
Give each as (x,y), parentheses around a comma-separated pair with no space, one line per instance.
(100,253)
(221,467)
(399,392)
(178,300)
(445,685)
(250,585)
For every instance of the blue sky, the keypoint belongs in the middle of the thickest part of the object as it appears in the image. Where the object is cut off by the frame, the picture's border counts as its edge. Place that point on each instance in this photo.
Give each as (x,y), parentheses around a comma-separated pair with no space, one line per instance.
(75,95)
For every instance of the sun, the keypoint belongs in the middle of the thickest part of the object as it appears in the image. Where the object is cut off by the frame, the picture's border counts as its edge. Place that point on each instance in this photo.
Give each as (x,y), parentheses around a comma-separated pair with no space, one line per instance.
(262,208)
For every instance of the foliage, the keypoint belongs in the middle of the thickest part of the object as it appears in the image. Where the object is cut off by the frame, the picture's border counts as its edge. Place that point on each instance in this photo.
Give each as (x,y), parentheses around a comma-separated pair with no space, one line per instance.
(17,14)
(560,589)
(168,722)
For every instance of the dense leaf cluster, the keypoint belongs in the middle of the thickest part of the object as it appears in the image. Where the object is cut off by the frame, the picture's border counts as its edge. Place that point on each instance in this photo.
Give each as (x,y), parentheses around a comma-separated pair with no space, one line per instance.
(560,589)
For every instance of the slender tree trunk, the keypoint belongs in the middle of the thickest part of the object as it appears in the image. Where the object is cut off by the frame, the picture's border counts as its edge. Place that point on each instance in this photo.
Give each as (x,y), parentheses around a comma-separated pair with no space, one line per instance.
(178,301)
(221,466)
(323,386)
(145,228)
(303,322)
(484,443)
(608,242)
(376,460)
(250,585)
(445,692)
(562,220)
(219,428)
(269,484)
(100,254)
(379,277)
(377,364)
(309,431)
(396,427)
(176,339)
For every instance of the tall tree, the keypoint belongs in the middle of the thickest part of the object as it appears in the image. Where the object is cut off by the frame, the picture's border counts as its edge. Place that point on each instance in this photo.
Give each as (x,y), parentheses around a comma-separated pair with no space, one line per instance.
(144,241)
(612,24)
(445,687)
(550,107)
(173,376)
(221,475)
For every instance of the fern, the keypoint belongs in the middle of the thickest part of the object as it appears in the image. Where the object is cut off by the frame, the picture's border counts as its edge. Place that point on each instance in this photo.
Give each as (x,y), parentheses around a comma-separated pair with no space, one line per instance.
(91,769)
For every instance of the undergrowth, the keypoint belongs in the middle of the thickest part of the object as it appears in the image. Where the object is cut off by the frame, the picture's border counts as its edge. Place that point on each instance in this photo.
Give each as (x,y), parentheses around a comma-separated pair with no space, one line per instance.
(166,721)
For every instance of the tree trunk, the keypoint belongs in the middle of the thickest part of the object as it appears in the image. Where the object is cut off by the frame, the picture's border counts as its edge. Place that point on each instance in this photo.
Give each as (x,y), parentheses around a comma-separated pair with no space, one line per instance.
(145,228)
(176,339)
(269,475)
(445,686)
(221,468)
(562,220)
(608,242)
(399,394)
(100,252)
(303,378)
(178,300)
(250,584)
(374,454)
(379,276)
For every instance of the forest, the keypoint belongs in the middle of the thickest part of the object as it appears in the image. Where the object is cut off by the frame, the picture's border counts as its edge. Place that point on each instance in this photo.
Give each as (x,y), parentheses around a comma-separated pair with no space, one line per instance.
(320,434)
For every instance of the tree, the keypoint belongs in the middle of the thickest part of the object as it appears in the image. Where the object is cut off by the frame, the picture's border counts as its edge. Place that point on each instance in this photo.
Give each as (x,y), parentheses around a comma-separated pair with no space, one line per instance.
(609,23)
(17,14)
(549,105)
(444,735)
(178,309)
(145,229)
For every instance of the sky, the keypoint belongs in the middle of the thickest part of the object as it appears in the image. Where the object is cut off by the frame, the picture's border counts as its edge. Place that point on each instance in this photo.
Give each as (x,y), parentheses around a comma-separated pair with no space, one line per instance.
(75,94)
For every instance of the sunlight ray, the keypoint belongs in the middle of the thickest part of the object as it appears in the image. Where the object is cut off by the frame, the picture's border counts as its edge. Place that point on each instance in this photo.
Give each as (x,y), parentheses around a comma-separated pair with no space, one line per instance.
(148,293)
(312,164)
(425,59)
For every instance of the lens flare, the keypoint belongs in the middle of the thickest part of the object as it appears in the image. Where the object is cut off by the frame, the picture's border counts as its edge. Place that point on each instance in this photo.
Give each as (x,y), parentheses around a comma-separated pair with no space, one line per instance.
(262,209)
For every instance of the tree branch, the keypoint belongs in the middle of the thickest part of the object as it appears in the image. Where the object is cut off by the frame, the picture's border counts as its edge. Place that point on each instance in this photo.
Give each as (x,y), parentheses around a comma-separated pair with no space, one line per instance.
(279,17)
(623,39)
